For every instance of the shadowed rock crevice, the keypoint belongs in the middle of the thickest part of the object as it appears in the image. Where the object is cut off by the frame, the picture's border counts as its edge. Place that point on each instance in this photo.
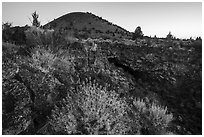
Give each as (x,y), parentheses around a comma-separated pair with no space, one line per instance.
(137,74)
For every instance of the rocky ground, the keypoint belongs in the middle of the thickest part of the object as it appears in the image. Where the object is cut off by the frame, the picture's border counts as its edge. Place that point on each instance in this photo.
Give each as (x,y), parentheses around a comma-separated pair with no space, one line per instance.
(36,80)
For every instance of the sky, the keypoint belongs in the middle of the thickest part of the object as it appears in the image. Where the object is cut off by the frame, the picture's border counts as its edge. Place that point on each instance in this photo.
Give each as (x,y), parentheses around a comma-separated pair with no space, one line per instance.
(182,19)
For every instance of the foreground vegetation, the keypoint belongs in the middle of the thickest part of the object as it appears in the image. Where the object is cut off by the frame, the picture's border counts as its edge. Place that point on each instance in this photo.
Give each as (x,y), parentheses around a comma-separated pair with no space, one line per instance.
(54,84)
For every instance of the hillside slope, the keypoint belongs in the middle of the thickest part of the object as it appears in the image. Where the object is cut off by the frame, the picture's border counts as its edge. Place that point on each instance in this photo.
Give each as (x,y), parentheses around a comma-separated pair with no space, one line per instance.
(53,83)
(87,25)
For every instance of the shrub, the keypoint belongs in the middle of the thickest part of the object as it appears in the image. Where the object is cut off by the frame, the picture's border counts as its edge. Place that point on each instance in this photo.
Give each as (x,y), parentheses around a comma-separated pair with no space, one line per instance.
(63,120)
(153,118)
(137,34)
(64,63)
(44,37)
(102,112)
(33,36)
(47,61)
(47,37)
(6,32)
(104,108)
(18,36)
(43,59)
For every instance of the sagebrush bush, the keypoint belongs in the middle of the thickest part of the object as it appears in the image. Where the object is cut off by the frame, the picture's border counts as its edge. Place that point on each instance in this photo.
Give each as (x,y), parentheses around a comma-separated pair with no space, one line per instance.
(96,110)
(104,108)
(63,120)
(47,61)
(103,112)
(33,36)
(36,36)
(154,119)
(65,61)
(43,59)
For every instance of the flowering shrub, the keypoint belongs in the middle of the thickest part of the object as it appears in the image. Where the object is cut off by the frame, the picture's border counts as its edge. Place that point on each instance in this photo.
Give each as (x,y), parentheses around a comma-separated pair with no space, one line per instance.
(103,112)
(153,118)
(43,59)
(64,61)
(47,61)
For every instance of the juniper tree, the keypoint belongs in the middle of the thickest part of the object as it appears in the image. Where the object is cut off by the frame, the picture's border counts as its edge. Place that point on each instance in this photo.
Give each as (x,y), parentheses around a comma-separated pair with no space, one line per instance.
(138,33)
(35,19)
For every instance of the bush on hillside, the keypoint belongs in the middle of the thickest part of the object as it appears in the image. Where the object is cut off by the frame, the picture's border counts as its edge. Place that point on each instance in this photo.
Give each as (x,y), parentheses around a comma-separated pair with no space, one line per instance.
(102,112)
(154,119)
(95,110)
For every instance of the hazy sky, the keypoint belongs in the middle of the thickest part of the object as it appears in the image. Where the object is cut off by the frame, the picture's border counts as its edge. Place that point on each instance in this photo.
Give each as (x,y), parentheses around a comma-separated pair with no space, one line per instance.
(182,19)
